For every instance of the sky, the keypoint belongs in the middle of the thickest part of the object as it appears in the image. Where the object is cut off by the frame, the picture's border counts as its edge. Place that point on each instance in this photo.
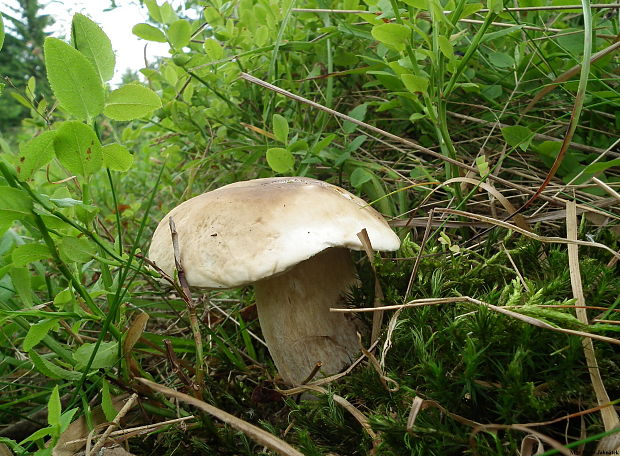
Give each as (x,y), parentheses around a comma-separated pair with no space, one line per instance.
(116,23)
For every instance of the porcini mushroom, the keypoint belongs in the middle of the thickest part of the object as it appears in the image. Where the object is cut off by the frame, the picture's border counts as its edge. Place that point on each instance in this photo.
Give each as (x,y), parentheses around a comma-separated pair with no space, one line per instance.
(290,237)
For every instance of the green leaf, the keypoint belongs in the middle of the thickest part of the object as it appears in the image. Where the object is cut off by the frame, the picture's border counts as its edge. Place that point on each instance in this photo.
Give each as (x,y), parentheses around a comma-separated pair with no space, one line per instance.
(35,154)
(496,6)
(1,31)
(149,33)
(153,8)
(445,46)
(482,165)
(107,405)
(130,102)
(107,355)
(488,37)
(393,35)
(25,254)
(415,84)
(601,166)
(179,33)
(168,16)
(37,332)
(51,370)
(54,408)
(470,9)
(214,50)
(117,157)
(39,434)
(78,148)
(74,79)
(280,128)
(80,250)
(14,202)
(419,4)
(358,113)
(280,160)
(517,136)
(66,418)
(360,176)
(501,60)
(21,280)
(492,91)
(91,40)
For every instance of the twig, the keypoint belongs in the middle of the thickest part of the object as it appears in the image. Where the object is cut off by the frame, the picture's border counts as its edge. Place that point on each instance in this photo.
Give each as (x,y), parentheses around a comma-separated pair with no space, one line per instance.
(456,299)
(377,318)
(191,308)
(136,430)
(113,425)
(176,367)
(525,8)
(609,415)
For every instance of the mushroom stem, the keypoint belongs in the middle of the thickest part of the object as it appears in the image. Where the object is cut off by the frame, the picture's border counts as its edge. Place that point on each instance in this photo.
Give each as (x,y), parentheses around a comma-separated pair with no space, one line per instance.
(293,309)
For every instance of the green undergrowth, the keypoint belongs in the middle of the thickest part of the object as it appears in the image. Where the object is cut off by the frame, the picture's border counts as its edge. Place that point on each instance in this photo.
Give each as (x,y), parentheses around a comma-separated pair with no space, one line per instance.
(474,363)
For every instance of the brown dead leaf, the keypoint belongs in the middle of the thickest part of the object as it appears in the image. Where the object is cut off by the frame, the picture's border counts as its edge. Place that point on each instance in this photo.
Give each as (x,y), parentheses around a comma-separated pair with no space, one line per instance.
(79,429)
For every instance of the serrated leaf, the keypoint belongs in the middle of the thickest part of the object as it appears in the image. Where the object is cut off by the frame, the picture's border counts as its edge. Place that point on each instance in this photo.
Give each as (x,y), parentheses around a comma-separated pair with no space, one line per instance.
(51,370)
(517,136)
(117,157)
(80,250)
(91,40)
(179,33)
(35,154)
(280,128)
(106,356)
(54,408)
(358,113)
(393,35)
(360,176)
(280,160)
(107,405)
(25,254)
(37,332)
(482,165)
(415,84)
(78,148)
(130,102)
(149,33)
(74,79)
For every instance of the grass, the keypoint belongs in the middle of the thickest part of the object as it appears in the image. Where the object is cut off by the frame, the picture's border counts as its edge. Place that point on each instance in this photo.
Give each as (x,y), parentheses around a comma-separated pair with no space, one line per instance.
(447,130)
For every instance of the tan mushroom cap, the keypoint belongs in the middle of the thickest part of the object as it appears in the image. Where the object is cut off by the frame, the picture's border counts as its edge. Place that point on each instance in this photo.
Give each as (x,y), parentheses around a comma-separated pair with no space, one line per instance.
(247,231)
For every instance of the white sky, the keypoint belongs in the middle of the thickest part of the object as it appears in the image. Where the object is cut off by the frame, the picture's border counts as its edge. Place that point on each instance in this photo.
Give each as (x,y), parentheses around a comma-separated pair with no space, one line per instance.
(116,23)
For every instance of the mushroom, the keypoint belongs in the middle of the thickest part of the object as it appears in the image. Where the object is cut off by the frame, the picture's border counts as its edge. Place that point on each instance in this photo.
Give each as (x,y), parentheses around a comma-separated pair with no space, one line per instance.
(289,237)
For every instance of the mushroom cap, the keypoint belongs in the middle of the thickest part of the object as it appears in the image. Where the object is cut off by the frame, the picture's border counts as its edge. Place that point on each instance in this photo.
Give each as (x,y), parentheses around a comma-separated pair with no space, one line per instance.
(247,231)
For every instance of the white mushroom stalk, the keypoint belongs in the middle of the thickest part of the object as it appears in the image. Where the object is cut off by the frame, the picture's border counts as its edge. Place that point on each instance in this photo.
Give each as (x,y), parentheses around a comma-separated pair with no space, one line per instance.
(290,238)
